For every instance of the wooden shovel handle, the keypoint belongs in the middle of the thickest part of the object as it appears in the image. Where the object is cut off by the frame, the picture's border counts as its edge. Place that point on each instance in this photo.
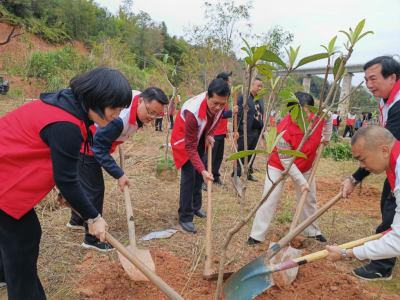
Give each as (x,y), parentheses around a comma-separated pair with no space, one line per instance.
(303,225)
(128,203)
(305,193)
(165,288)
(207,263)
(324,253)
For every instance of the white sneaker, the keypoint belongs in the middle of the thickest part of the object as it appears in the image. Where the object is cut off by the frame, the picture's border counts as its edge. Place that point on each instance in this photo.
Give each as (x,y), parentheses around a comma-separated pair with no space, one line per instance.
(2,284)
(75,227)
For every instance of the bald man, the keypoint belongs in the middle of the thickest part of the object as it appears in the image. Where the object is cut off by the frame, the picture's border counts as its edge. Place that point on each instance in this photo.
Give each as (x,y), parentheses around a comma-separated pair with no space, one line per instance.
(377,151)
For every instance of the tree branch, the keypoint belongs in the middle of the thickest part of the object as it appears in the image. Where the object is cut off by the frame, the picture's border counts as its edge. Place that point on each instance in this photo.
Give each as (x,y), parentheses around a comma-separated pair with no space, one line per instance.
(11,36)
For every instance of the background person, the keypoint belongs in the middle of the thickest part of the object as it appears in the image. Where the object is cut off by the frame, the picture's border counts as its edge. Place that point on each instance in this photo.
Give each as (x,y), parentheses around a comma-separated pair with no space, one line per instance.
(350,122)
(194,129)
(299,172)
(336,122)
(255,124)
(40,147)
(377,151)
(382,76)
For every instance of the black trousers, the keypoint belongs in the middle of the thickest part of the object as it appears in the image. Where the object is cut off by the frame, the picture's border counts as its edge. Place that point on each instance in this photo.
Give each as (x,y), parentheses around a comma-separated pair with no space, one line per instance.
(90,176)
(171,119)
(159,124)
(252,139)
(348,129)
(217,156)
(19,252)
(190,199)
(388,209)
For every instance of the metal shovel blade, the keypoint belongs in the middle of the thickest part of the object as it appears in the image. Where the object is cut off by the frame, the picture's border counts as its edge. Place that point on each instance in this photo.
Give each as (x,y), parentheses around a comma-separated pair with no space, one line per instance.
(144,256)
(250,281)
(237,184)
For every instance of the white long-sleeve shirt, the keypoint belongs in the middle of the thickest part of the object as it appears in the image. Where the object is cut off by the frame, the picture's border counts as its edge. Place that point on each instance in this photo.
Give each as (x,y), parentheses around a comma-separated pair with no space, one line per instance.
(389,245)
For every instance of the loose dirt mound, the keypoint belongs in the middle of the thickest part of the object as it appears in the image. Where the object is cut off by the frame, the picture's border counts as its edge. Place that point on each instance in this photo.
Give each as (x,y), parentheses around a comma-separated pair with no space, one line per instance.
(102,279)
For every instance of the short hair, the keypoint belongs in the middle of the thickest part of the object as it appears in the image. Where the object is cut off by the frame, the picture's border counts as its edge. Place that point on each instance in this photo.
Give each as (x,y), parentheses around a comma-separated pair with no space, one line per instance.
(101,88)
(389,66)
(257,79)
(335,112)
(154,93)
(224,75)
(374,136)
(304,99)
(219,87)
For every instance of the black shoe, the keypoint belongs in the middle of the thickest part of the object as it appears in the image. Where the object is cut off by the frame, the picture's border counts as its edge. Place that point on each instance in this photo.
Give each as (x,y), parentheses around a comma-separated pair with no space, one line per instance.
(220,182)
(368,272)
(252,241)
(251,178)
(319,238)
(102,247)
(201,213)
(188,226)
(204,186)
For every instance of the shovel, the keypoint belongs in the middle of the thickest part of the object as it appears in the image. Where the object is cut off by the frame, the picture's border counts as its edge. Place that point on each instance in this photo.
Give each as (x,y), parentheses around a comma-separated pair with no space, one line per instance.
(256,287)
(236,179)
(142,254)
(208,273)
(165,288)
(248,287)
(288,252)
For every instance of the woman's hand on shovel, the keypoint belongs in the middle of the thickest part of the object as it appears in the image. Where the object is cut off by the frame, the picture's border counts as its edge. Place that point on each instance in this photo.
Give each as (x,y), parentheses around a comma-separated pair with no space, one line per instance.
(122,181)
(98,229)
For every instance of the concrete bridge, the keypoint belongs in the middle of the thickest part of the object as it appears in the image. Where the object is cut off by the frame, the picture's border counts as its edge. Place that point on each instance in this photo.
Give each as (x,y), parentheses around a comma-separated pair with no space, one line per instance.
(307,73)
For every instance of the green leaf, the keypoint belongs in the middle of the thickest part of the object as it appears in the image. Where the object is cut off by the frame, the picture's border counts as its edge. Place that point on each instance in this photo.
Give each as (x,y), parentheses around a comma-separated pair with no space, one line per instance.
(264,71)
(293,153)
(325,48)
(259,53)
(241,154)
(273,83)
(289,101)
(313,109)
(236,88)
(332,45)
(271,139)
(348,35)
(358,30)
(272,57)
(247,51)
(269,67)
(165,59)
(364,34)
(336,66)
(248,60)
(284,94)
(294,112)
(287,109)
(276,141)
(263,91)
(312,58)
(248,47)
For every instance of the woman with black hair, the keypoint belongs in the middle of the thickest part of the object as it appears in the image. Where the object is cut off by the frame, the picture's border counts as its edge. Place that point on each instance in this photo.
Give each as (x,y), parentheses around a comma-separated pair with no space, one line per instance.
(299,171)
(40,148)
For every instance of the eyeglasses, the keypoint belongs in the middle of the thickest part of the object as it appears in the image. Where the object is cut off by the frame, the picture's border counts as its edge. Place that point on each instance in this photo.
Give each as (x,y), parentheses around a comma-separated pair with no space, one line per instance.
(151,115)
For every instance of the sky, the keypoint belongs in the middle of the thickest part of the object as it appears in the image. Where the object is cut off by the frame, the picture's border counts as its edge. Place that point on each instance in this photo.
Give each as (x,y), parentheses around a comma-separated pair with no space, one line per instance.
(313,22)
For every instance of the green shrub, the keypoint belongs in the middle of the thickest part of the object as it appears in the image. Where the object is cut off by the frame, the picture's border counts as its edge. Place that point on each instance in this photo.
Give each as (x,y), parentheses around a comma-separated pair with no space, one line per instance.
(339,152)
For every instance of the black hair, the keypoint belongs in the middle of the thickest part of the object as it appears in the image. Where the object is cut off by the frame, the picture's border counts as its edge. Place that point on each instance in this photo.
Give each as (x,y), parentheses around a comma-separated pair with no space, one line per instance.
(101,88)
(154,93)
(389,66)
(224,75)
(257,79)
(304,99)
(219,87)
(335,112)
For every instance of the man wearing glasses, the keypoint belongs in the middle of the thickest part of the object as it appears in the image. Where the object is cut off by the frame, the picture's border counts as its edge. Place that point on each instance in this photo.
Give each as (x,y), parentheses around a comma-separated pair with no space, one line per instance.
(194,129)
(145,107)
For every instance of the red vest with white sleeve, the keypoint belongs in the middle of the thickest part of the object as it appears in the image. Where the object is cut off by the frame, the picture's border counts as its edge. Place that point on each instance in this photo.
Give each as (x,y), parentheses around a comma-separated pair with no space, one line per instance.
(198,107)
(26,172)
(385,107)
(293,135)
(351,119)
(222,125)
(334,117)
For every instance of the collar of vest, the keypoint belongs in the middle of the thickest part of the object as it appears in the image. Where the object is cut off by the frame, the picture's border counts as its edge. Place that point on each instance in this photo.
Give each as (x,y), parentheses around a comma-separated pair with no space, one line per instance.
(394,92)
(203,109)
(133,112)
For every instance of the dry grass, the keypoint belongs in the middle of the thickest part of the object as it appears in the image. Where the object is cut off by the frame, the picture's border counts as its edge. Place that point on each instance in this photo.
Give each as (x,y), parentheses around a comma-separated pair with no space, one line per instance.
(155,205)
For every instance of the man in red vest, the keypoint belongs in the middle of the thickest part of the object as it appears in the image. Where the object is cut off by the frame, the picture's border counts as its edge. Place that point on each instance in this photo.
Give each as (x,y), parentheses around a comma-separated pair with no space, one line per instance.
(220,135)
(336,122)
(382,78)
(378,151)
(194,129)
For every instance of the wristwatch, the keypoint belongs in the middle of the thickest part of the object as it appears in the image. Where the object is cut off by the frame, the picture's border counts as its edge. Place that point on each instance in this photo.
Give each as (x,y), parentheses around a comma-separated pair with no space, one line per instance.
(91,221)
(353,180)
(344,256)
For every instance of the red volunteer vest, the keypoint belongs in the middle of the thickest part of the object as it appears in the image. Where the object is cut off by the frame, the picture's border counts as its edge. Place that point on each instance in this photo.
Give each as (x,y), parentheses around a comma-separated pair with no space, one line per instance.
(293,136)
(335,122)
(222,125)
(26,172)
(394,157)
(132,120)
